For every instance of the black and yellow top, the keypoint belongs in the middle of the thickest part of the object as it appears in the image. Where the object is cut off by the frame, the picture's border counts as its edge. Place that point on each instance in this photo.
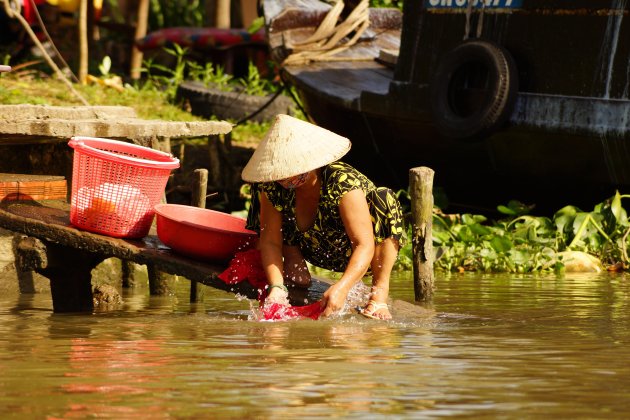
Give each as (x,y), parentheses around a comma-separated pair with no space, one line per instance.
(326,243)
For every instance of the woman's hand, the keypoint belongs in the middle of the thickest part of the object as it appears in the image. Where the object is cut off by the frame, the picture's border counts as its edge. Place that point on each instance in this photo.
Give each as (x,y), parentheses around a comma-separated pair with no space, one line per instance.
(334,300)
(277,295)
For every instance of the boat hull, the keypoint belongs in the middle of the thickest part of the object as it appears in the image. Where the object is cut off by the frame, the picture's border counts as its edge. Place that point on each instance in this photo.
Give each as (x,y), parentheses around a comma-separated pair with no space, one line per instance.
(536,166)
(561,134)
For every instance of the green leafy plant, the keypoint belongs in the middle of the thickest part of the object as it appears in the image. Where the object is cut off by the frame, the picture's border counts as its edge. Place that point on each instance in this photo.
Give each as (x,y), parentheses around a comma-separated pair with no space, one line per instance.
(105,66)
(256,25)
(253,84)
(168,78)
(523,243)
(209,74)
(174,13)
(164,77)
(387,3)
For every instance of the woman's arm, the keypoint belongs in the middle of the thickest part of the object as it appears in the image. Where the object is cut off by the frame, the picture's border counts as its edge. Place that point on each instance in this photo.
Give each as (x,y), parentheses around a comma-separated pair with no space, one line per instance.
(357,222)
(271,246)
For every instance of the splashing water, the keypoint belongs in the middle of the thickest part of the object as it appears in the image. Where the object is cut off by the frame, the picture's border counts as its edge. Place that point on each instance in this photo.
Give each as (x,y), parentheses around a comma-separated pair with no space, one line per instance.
(357,297)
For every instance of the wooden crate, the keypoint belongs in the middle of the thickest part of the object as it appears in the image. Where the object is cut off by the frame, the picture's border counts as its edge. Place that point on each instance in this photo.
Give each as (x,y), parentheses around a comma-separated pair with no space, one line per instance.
(15,187)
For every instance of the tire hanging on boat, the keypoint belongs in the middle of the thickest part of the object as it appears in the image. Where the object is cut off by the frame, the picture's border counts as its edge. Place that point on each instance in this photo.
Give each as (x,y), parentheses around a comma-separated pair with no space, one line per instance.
(473,90)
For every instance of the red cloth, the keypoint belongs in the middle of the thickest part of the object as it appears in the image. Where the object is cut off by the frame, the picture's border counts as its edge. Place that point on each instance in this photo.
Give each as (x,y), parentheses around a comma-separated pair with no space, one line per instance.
(29,12)
(280,312)
(247,266)
(200,38)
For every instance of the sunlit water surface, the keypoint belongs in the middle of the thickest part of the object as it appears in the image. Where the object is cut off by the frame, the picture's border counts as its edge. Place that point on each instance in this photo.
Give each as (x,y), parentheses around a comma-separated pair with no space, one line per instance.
(494,346)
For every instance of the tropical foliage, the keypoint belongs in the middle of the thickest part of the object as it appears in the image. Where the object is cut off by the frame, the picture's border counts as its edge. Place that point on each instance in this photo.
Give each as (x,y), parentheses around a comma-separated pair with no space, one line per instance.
(522,243)
(168,77)
(387,3)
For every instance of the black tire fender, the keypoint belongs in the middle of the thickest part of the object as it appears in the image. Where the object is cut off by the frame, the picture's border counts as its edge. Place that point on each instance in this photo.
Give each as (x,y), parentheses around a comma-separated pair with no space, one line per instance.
(473,90)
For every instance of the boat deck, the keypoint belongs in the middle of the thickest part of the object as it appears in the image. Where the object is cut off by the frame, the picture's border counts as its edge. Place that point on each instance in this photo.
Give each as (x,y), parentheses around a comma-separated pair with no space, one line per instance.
(341,82)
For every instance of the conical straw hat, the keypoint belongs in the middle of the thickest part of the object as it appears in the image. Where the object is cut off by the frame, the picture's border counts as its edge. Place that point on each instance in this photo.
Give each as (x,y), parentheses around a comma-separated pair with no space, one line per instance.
(292,147)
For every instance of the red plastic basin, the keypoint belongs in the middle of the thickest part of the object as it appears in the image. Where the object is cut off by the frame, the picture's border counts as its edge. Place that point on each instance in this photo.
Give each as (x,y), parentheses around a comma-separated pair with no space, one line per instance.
(202,233)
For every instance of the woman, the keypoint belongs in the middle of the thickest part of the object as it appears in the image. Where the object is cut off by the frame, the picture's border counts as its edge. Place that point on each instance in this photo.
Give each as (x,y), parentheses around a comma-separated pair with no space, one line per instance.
(309,207)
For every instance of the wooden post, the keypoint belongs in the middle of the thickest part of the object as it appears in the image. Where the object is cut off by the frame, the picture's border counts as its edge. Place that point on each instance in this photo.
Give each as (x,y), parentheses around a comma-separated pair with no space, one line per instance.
(141,31)
(83,41)
(211,13)
(129,277)
(91,27)
(199,188)
(249,12)
(198,199)
(158,281)
(70,284)
(223,14)
(421,192)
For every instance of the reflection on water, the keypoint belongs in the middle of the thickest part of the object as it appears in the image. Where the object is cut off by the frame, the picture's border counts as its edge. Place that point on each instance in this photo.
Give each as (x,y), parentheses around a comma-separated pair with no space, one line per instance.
(491,346)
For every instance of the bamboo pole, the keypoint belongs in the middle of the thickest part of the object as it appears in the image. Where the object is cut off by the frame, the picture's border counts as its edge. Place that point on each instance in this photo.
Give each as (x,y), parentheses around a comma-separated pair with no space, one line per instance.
(421,192)
(83,42)
(198,199)
(141,31)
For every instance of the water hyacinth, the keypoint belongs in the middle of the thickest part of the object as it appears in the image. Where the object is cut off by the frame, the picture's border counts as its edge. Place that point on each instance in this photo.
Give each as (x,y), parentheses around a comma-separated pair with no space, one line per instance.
(523,243)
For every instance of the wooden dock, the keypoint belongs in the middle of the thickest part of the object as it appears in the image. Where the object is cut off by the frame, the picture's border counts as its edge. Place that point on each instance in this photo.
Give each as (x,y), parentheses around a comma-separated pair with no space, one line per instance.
(51,246)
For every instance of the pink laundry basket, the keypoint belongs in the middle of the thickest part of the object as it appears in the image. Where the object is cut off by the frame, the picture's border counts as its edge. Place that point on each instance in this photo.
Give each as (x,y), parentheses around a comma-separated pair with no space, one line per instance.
(115,186)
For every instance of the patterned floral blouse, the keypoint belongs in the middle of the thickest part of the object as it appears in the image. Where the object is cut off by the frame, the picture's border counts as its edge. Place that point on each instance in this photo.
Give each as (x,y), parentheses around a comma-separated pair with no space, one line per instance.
(326,243)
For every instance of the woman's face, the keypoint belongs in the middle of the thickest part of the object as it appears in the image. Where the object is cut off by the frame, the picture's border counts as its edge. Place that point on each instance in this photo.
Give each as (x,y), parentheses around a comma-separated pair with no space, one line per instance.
(294,181)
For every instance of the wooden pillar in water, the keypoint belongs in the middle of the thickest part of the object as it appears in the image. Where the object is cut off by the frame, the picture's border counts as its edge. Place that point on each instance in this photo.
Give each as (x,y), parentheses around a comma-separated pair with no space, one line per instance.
(421,192)
(129,274)
(198,199)
(158,281)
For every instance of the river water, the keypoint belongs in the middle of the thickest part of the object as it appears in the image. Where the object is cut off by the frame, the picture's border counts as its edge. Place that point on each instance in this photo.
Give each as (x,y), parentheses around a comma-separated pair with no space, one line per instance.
(490,346)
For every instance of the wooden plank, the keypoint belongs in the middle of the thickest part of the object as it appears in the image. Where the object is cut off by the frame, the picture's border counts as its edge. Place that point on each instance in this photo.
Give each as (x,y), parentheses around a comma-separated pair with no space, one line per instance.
(49,221)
